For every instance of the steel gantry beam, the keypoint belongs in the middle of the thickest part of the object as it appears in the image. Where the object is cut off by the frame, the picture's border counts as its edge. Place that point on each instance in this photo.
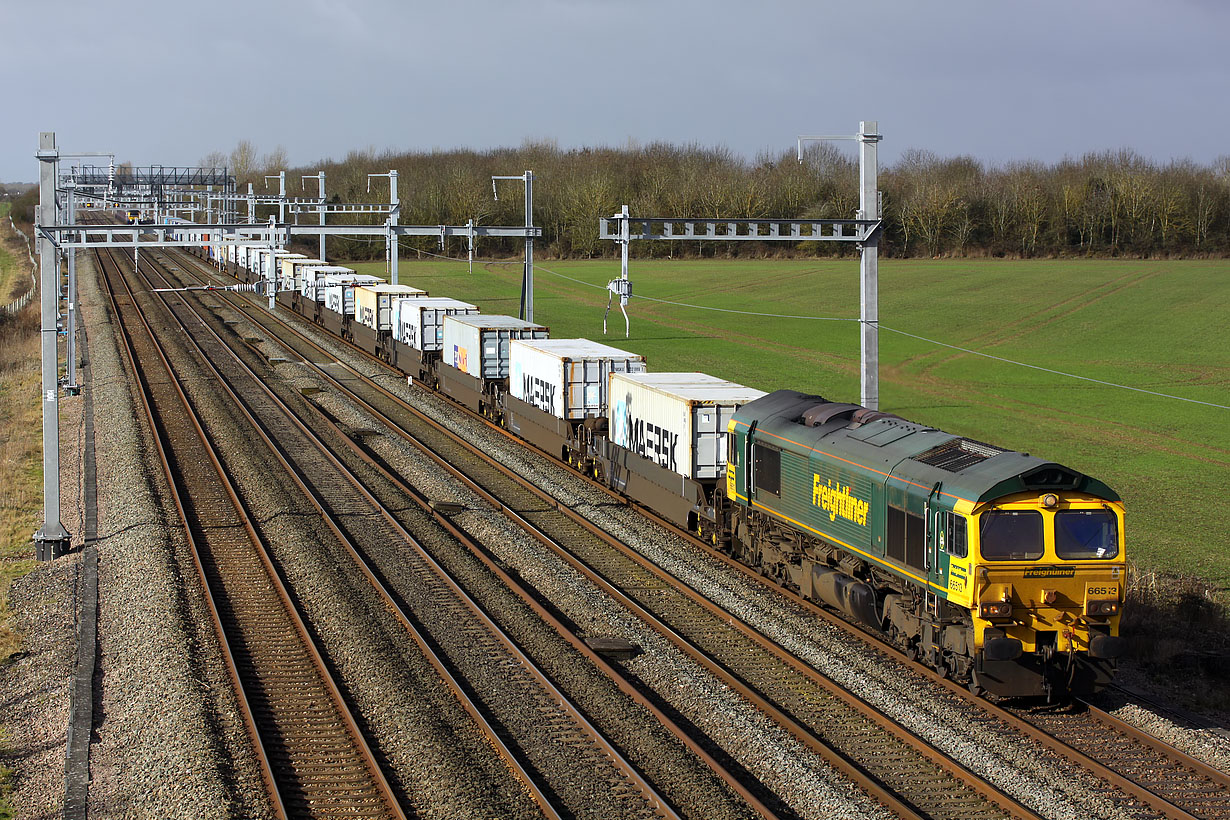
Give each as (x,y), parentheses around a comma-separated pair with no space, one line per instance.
(864,231)
(265,234)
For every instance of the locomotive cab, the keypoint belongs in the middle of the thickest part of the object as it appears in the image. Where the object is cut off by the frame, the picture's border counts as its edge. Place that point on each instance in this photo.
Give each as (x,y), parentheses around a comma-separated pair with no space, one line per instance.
(1047,576)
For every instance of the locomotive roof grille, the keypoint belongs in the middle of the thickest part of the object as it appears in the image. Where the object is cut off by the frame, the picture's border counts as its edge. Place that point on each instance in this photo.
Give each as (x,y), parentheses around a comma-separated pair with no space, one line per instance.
(957,454)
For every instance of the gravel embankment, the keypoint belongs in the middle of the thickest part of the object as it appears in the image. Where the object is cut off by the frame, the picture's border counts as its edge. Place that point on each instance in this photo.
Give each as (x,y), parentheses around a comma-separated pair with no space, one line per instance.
(36,686)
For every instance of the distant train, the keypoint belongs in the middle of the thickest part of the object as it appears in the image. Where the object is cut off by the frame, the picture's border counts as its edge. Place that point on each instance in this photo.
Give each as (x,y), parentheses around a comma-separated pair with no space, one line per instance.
(1001,570)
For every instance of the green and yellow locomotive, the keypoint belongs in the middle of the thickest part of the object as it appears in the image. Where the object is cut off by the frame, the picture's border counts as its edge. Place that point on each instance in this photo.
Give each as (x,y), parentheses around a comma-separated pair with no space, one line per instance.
(1000,569)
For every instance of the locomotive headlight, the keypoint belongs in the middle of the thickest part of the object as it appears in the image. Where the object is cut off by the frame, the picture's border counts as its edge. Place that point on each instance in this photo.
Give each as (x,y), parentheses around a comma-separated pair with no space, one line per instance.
(1050,501)
(1101,609)
(995,609)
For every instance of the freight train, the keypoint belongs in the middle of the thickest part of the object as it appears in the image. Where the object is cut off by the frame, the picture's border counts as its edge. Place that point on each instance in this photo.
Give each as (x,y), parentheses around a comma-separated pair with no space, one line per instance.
(999,569)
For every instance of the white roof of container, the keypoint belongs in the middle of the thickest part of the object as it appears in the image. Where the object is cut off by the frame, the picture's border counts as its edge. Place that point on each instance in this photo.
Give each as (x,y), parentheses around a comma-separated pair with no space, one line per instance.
(694,386)
(577,349)
(383,287)
(438,301)
(483,321)
(331,269)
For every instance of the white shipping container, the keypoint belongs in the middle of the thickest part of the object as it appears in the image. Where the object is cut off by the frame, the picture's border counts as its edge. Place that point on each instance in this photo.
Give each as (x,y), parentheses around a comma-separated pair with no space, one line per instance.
(419,321)
(313,276)
(478,344)
(339,290)
(678,420)
(373,303)
(567,377)
(282,272)
(292,271)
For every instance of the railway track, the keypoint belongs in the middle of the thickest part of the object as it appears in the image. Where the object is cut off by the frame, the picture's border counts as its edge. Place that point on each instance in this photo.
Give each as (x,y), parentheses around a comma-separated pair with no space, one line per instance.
(520,700)
(1143,773)
(1182,786)
(888,762)
(315,760)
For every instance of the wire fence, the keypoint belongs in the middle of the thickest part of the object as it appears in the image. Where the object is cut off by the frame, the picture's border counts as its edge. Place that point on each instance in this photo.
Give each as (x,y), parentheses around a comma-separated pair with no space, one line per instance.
(24,299)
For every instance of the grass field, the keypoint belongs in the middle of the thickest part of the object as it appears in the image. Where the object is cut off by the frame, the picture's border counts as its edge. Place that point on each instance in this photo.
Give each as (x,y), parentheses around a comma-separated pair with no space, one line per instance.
(9,269)
(1153,325)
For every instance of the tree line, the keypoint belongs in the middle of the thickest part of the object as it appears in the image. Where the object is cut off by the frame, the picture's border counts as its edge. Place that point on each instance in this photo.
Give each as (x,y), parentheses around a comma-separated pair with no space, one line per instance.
(1113,203)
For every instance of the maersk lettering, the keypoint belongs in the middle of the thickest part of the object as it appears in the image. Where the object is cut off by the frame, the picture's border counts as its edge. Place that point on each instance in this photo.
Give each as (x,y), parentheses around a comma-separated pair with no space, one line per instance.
(538,392)
(652,442)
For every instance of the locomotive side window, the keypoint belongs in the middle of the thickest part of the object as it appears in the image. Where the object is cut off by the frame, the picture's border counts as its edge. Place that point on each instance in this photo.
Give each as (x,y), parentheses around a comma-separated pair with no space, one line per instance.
(732,452)
(1011,535)
(1086,534)
(768,470)
(955,541)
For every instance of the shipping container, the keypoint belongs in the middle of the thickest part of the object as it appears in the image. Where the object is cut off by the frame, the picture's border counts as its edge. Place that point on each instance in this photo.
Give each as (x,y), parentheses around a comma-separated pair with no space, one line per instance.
(677,420)
(286,269)
(419,321)
(315,277)
(567,377)
(339,290)
(267,262)
(373,303)
(478,344)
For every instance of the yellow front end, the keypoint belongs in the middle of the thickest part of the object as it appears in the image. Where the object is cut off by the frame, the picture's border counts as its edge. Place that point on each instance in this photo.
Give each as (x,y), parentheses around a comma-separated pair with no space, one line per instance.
(1048,571)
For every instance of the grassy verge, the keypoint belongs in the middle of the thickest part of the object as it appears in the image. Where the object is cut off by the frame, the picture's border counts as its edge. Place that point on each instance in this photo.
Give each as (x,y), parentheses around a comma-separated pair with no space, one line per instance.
(20,458)
(11,271)
(21,491)
(6,786)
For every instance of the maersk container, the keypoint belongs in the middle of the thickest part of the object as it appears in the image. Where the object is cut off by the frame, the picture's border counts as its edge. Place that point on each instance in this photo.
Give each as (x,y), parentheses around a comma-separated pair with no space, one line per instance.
(287,268)
(339,290)
(419,321)
(373,304)
(567,377)
(677,420)
(314,277)
(478,344)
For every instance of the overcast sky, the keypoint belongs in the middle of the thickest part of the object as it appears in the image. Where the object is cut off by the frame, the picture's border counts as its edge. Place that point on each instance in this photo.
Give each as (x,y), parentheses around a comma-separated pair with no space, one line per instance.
(168,82)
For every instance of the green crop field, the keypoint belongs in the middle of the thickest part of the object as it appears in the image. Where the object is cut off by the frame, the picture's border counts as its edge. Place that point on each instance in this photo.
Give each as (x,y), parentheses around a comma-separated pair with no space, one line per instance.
(1154,325)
